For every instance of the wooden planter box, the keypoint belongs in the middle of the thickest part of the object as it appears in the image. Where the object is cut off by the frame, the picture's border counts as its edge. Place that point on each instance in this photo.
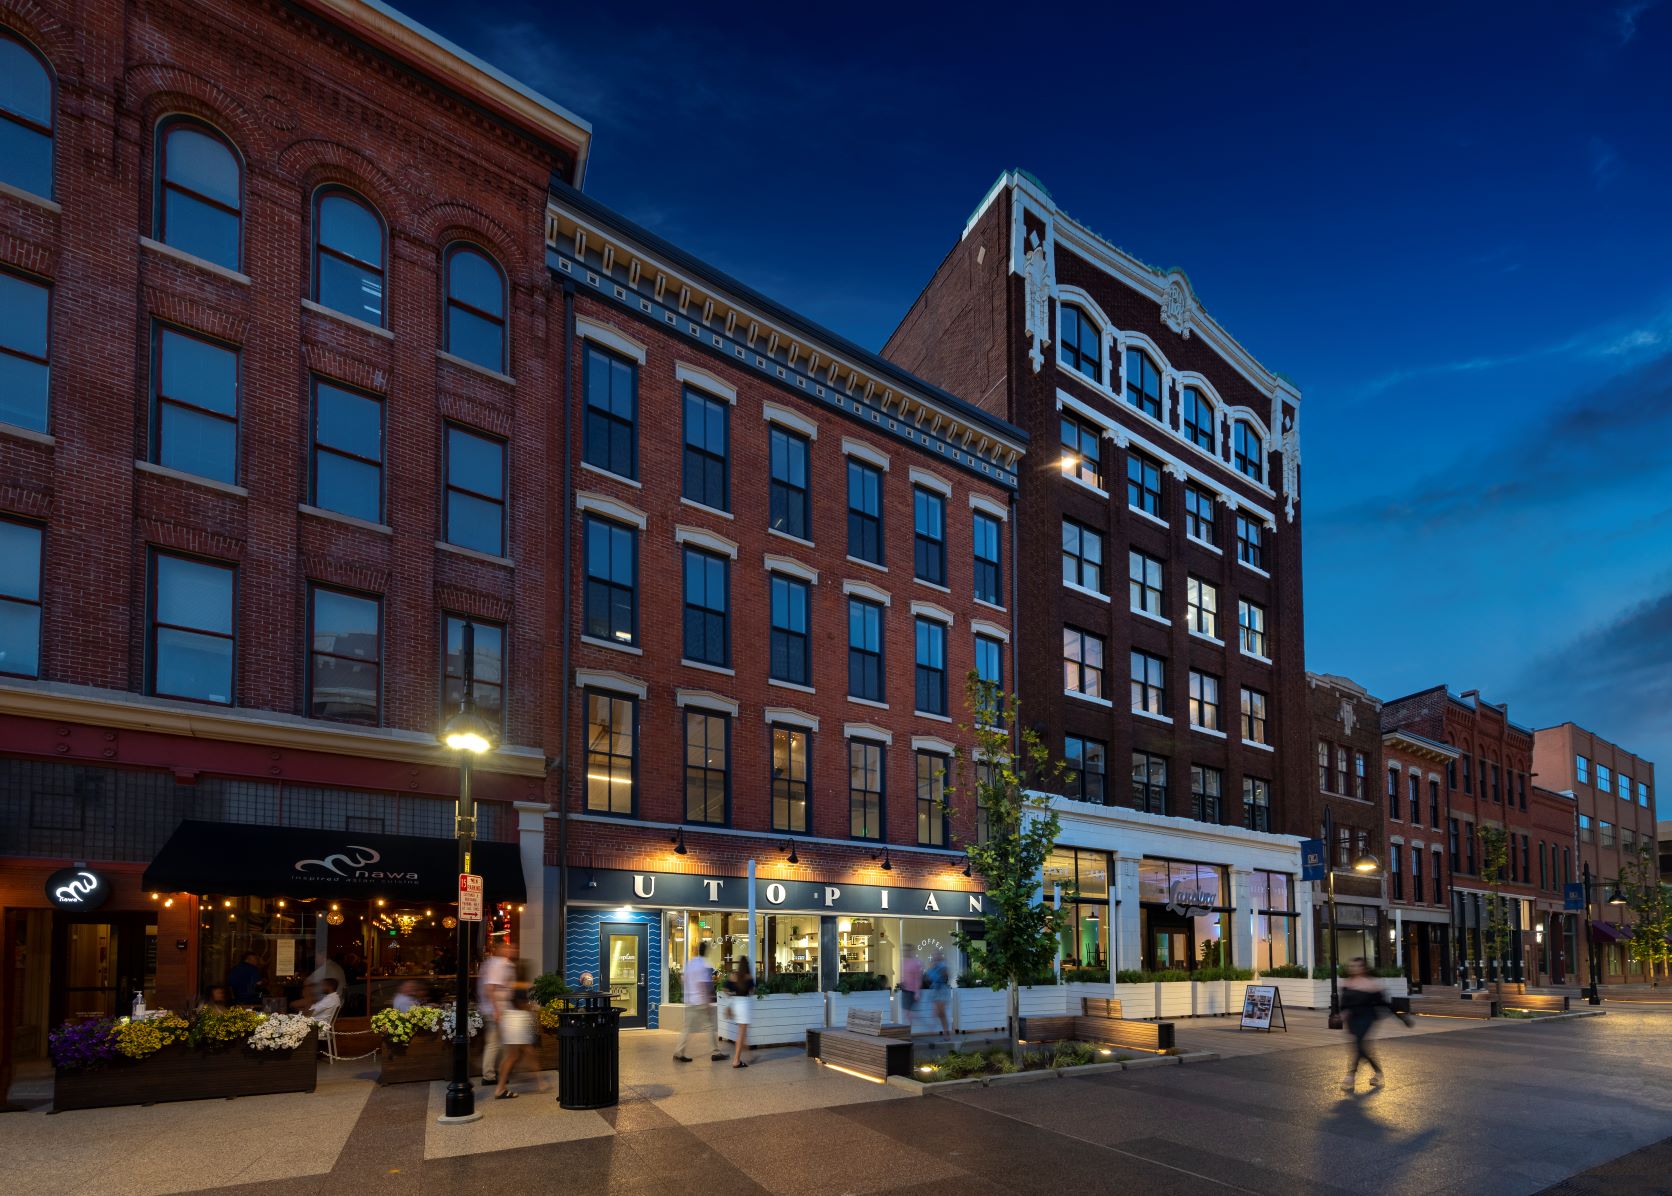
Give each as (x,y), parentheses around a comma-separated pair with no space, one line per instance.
(546,1048)
(179,1072)
(428,1056)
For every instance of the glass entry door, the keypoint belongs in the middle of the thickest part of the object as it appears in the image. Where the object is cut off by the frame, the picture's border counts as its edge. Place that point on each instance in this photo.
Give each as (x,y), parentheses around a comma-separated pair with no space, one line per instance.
(99,963)
(621,950)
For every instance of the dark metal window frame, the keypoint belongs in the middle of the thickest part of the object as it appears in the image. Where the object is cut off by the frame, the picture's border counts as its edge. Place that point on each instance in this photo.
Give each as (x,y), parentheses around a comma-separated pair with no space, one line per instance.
(1201,615)
(166,127)
(450,301)
(379,268)
(316,446)
(1093,679)
(929,675)
(1200,685)
(314,588)
(1087,785)
(928,550)
(1085,437)
(1143,484)
(1200,519)
(158,398)
(1255,721)
(38,602)
(49,131)
(875,659)
(477,684)
(1076,537)
(881,794)
(1148,794)
(45,286)
(590,752)
(784,789)
(794,499)
(989,569)
(795,645)
(1248,453)
(1143,687)
(614,425)
(1194,429)
(1256,814)
(1252,638)
(1137,393)
(1159,590)
(723,613)
(450,486)
(592,519)
(702,456)
(1251,542)
(703,770)
(1072,342)
(1207,802)
(860,521)
(935,779)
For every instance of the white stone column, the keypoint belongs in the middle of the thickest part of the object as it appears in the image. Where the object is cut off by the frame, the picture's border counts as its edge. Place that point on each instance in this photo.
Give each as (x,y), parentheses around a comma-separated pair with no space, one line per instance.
(531,845)
(1306,895)
(1242,918)
(1129,948)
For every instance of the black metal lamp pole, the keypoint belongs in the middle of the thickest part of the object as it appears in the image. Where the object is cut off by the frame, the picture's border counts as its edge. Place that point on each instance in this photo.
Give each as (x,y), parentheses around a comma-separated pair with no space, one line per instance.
(466,734)
(1592,996)
(1329,865)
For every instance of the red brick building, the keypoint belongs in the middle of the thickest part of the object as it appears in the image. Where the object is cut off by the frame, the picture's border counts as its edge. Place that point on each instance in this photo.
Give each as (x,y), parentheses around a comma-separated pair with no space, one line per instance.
(1416,812)
(1612,795)
(785,554)
(1346,734)
(276,425)
(1160,523)
(1557,953)
(1487,785)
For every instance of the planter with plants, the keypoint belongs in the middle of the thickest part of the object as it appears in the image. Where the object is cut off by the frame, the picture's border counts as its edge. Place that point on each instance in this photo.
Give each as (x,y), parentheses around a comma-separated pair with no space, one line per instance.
(860,990)
(418,1044)
(997,1061)
(160,1056)
(550,994)
(784,1005)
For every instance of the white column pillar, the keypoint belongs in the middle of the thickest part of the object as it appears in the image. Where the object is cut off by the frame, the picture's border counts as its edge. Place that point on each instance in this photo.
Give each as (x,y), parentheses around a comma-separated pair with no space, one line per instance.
(1307,895)
(1398,938)
(531,844)
(1129,947)
(1242,918)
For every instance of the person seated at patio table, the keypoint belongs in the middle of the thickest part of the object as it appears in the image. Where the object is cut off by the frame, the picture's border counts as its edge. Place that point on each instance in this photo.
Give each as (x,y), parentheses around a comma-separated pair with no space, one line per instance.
(328,1003)
(408,996)
(245,979)
(216,997)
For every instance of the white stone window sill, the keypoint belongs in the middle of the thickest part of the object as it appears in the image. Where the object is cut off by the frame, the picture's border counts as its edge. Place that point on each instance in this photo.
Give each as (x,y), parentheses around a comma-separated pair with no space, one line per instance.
(1207,731)
(1084,485)
(1264,747)
(1253,568)
(708,668)
(1143,514)
(1086,590)
(611,475)
(1160,718)
(1161,619)
(1085,697)
(801,689)
(40,201)
(630,649)
(455,359)
(939,718)
(18,432)
(352,321)
(1200,543)
(474,555)
(703,507)
(1206,638)
(931,585)
(868,702)
(772,531)
(350,520)
(1254,656)
(191,259)
(992,606)
(859,560)
(163,471)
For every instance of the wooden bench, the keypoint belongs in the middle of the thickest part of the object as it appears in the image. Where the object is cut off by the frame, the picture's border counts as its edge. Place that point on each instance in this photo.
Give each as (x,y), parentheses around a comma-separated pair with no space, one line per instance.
(1479,1007)
(869,1046)
(1100,1020)
(1539,1002)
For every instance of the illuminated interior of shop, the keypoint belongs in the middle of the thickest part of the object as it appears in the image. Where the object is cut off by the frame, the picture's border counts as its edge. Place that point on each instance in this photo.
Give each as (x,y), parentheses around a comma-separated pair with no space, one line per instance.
(792,944)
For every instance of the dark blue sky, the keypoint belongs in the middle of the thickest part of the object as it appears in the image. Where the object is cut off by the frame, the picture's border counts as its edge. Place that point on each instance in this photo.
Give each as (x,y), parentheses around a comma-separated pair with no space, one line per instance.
(1449,224)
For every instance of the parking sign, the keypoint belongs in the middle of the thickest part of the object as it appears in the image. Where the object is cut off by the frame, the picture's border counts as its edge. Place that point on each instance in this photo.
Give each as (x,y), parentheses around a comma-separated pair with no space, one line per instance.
(470,897)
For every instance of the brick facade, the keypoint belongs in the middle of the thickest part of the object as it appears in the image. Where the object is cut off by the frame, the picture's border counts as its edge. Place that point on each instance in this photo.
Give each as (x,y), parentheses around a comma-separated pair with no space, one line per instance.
(1418,819)
(1346,778)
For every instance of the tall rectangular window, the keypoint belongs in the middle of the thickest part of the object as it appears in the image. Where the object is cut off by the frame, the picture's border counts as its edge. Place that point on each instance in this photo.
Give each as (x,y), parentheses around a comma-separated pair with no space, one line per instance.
(989,576)
(707,608)
(864,512)
(865,676)
(707,766)
(1359,776)
(1254,716)
(1082,662)
(192,640)
(1582,769)
(612,581)
(788,455)
(1251,628)
(1438,873)
(789,780)
(25,372)
(1413,791)
(1256,804)
(345,659)
(984,780)
(928,536)
(1199,523)
(194,419)
(1393,793)
(610,433)
(1605,778)
(612,735)
(1082,451)
(347,473)
(707,461)
(1087,760)
(1396,870)
(1467,784)
(1201,607)
(1251,542)
(1206,788)
(1144,579)
(20,599)
(1149,783)
(1434,804)
(931,666)
(475,491)
(791,656)
(1143,484)
(931,799)
(1453,840)
(1149,683)
(865,789)
(1204,701)
(487,670)
(989,665)
(1082,556)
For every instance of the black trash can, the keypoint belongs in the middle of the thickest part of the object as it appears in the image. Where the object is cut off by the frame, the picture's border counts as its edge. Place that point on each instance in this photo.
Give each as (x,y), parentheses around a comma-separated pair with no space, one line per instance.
(589,1053)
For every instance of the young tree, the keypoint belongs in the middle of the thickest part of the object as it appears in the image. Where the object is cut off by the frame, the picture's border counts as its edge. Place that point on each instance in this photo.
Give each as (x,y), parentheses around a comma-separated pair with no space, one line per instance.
(1651,907)
(1494,866)
(1006,775)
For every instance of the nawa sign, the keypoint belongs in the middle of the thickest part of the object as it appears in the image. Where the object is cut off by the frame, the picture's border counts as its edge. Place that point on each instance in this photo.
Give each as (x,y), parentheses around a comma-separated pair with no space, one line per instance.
(77,889)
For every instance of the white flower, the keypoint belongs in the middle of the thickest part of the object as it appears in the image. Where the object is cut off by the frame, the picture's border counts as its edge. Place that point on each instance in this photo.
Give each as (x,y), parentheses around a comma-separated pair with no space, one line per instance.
(449,1019)
(282,1032)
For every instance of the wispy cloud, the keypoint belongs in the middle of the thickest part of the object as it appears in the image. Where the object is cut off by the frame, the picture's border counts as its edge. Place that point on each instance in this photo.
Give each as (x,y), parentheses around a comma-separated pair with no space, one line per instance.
(1625,18)
(1605,163)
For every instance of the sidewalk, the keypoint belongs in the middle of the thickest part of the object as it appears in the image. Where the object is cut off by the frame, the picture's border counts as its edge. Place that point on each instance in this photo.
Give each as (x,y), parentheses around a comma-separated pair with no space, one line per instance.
(1307,1028)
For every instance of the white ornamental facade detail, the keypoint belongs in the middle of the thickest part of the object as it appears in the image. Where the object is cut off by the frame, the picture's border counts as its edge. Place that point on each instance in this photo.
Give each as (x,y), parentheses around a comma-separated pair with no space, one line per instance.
(1039,279)
(1177,312)
(1289,445)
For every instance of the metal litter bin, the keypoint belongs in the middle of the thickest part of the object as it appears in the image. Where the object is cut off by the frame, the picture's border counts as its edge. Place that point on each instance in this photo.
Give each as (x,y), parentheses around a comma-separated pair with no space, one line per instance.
(589,1052)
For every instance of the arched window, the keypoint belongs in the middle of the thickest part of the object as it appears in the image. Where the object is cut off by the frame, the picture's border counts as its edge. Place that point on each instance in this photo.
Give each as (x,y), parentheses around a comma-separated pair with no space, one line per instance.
(1248,452)
(1143,383)
(475,307)
(1198,419)
(348,255)
(1082,343)
(200,200)
(25,117)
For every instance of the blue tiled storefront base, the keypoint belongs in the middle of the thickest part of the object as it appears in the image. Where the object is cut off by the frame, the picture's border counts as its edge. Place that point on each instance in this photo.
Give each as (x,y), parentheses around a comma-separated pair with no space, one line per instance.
(584,947)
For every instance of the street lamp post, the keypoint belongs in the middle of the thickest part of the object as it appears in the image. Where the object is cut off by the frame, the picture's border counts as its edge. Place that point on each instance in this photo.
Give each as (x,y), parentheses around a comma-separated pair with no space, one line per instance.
(469,735)
(1592,996)
(1364,865)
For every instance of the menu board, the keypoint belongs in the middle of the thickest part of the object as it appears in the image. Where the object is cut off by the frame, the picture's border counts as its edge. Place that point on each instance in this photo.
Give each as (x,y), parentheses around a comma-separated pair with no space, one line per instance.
(1261,1003)
(284,957)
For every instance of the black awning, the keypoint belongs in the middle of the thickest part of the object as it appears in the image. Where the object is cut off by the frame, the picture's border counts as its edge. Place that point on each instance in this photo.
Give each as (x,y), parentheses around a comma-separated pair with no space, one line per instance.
(285,861)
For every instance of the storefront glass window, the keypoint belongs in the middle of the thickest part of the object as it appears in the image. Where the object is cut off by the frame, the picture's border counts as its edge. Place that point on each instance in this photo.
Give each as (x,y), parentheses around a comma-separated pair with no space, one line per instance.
(869,945)
(1185,919)
(792,944)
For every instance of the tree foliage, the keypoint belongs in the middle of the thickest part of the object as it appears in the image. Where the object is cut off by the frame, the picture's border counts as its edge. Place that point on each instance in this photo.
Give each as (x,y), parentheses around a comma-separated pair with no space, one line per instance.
(1650,904)
(1494,869)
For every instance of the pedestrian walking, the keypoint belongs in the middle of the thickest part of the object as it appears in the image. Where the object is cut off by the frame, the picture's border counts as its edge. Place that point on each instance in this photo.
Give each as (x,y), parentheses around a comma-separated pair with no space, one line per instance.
(493,985)
(741,986)
(517,1036)
(1362,1002)
(697,981)
(911,983)
(938,978)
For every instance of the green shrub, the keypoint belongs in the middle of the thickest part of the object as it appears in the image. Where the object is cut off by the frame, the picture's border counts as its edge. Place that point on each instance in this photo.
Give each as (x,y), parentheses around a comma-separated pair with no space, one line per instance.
(861,982)
(1085,975)
(787,982)
(1292,970)
(1073,1054)
(1224,974)
(1129,976)
(676,988)
(548,987)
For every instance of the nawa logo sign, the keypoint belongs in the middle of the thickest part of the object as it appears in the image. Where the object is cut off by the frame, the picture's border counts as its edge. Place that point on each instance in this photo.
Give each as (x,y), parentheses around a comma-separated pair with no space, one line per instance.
(354,865)
(76,889)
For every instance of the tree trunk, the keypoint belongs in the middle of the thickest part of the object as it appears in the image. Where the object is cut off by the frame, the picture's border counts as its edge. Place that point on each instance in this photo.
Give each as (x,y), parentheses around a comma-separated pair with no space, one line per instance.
(1013,1016)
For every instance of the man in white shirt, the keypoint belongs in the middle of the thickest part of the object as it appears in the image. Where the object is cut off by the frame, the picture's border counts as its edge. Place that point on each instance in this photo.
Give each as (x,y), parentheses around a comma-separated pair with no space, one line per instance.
(697,985)
(493,989)
(329,1002)
(314,985)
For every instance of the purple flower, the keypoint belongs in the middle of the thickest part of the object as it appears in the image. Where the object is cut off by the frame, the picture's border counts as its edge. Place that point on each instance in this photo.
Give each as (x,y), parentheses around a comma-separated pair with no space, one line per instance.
(75,1046)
